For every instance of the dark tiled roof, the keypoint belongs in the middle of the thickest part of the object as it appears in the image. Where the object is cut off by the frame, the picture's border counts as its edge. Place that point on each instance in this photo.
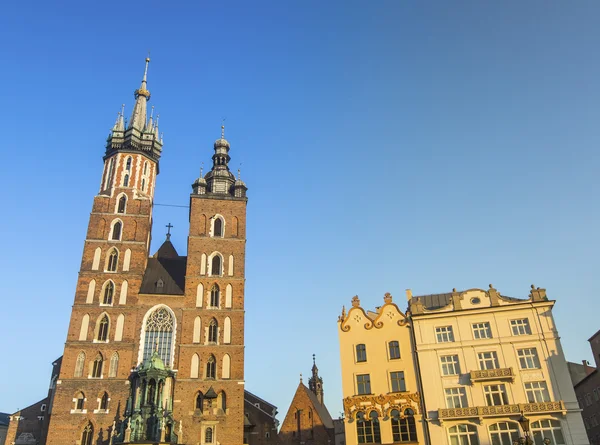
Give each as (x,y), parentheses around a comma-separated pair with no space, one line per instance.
(4,419)
(434,301)
(165,267)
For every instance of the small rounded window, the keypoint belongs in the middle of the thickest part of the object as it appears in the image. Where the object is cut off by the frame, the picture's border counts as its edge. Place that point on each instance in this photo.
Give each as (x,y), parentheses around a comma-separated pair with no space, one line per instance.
(475,300)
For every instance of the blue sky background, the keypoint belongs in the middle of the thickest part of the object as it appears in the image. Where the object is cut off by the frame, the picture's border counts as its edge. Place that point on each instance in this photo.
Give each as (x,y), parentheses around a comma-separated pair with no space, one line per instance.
(386,145)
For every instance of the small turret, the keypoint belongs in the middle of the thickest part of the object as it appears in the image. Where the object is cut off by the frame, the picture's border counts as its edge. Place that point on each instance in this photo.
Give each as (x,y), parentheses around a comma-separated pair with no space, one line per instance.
(315,383)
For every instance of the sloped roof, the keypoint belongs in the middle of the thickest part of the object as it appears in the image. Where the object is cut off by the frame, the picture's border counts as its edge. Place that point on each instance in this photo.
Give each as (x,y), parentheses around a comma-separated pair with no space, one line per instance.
(4,419)
(434,301)
(165,267)
(320,409)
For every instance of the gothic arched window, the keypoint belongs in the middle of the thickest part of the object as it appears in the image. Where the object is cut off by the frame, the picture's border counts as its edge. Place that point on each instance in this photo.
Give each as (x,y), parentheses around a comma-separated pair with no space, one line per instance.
(79,364)
(97,367)
(116,231)
(109,291)
(113,260)
(104,401)
(88,435)
(103,329)
(114,365)
(122,204)
(214,296)
(126,180)
(79,401)
(128,164)
(213,331)
(159,329)
(208,435)
(199,400)
(216,265)
(211,367)
(218,227)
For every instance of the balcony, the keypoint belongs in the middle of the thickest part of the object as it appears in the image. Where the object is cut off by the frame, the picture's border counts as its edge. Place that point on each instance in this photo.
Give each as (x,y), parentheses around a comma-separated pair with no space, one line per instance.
(484,375)
(501,410)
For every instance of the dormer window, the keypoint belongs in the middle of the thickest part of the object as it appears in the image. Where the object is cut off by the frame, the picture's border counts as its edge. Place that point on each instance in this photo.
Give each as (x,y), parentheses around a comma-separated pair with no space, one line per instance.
(160,284)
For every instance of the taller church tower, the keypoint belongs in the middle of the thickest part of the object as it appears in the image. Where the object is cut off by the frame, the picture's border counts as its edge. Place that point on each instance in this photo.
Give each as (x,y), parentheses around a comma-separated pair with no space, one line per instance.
(155,346)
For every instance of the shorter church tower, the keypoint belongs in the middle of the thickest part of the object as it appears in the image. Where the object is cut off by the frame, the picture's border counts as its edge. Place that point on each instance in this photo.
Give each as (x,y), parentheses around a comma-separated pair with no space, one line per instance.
(315,383)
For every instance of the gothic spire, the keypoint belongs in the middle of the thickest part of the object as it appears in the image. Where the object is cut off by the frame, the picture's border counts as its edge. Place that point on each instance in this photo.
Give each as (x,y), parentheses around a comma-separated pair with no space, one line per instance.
(315,383)
(142,96)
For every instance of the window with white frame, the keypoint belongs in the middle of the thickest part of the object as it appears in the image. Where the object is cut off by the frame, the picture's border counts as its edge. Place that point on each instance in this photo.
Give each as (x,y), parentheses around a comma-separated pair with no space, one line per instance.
(444,334)
(488,360)
(520,326)
(504,433)
(528,358)
(456,398)
(547,428)
(481,330)
(450,365)
(397,381)
(537,392)
(363,384)
(463,434)
(495,395)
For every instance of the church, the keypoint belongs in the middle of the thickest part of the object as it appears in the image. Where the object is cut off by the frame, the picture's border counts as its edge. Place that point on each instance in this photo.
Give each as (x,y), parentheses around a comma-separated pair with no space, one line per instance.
(155,345)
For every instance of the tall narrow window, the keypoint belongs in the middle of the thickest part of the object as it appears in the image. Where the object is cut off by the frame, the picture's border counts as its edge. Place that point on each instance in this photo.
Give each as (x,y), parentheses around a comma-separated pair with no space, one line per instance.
(109,291)
(394,347)
(79,401)
(97,367)
(103,329)
(143,184)
(79,364)
(404,429)
(128,164)
(368,429)
(218,227)
(87,436)
(208,435)
(113,260)
(114,365)
(361,353)
(116,231)
(122,204)
(213,331)
(160,326)
(216,265)
(126,180)
(211,368)
(104,402)
(199,400)
(214,296)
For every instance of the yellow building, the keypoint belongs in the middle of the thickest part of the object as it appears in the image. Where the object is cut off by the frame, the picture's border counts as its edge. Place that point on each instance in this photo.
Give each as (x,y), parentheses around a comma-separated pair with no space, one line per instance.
(381,396)
(487,362)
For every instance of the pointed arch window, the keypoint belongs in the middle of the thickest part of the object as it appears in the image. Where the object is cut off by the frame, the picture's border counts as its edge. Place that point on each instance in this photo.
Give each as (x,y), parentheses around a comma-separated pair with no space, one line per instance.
(216,265)
(208,435)
(80,401)
(109,292)
(126,180)
(79,364)
(199,400)
(113,260)
(215,294)
(87,435)
(114,365)
(218,227)
(213,331)
(104,402)
(103,329)
(143,184)
(97,367)
(116,231)
(122,204)
(159,327)
(223,401)
(211,368)
(128,164)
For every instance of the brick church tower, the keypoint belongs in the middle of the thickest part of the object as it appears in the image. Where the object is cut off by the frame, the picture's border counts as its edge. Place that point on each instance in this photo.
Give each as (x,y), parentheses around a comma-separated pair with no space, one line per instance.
(155,346)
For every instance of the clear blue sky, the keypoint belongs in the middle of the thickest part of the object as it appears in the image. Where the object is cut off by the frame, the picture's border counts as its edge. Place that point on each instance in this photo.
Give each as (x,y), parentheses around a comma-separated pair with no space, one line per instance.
(386,145)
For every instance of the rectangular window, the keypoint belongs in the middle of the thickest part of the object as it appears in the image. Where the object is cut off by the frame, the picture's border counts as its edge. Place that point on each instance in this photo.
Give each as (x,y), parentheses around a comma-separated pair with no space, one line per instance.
(588,399)
(363,383)
(520,326)
(444,334)
(482,330)
(495,395)
(528,358)
(397,380)
(537,392)
(456,398)
(361,353)
(394,347)
(450,365)
(488,360)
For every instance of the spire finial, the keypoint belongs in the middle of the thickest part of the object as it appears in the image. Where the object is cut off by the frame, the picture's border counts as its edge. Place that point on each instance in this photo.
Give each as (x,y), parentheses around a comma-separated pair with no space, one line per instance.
(169,227)
(222,131)
(201,169)
(314,362)
(239,174)
(152,112)
(146,69)
(122,109)
(300,377)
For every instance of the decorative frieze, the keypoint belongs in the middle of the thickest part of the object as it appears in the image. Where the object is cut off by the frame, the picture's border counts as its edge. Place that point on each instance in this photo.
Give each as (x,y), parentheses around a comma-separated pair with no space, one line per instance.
(382,403)
(501,410)
(481,375)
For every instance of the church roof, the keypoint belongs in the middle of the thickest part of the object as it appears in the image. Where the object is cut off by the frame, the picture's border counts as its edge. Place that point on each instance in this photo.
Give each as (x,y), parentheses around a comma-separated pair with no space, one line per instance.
(320,409)
(165,272)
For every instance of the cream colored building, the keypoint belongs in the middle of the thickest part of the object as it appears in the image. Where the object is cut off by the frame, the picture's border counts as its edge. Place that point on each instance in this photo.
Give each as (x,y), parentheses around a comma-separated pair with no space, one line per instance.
(381,396)
(485,360)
